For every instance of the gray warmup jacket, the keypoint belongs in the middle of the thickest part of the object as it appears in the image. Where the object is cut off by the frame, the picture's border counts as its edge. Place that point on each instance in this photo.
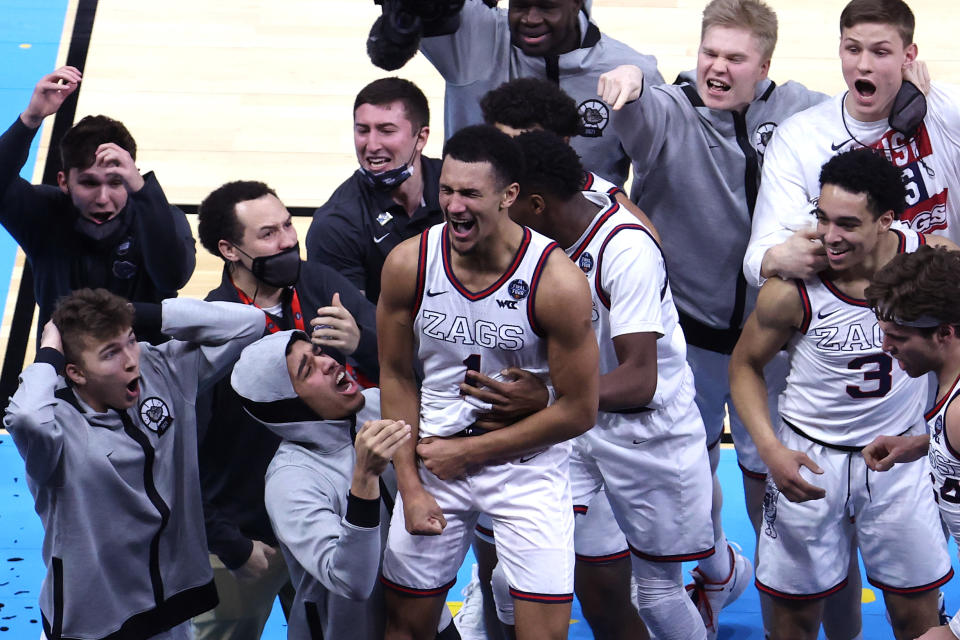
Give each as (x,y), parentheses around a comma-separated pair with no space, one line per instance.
(479,57)
(119,493)
(696,174)
(330,539)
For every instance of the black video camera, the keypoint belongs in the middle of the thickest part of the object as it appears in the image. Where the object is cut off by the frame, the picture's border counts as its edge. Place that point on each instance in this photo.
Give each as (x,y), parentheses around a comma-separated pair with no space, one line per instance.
(395,36)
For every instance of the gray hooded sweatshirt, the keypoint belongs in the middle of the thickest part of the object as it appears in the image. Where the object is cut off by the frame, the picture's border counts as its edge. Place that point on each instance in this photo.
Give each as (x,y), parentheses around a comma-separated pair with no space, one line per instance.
(479,57)
(696,174)
(330,539)
(118,492)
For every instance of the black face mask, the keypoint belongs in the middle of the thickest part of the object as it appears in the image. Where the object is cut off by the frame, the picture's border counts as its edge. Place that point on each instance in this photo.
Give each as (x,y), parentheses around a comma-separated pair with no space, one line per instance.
(279,270)
(908,110)
(387,180)
(391,178)
(103,235)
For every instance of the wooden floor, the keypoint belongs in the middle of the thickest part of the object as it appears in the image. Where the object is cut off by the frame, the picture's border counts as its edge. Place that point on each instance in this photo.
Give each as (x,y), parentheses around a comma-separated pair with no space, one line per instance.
(263,89)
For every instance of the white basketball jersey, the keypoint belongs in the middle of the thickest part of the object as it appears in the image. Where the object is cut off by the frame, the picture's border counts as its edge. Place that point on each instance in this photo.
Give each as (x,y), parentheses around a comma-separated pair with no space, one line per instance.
(457,329)
(945,463)
(628,282)
(842,388)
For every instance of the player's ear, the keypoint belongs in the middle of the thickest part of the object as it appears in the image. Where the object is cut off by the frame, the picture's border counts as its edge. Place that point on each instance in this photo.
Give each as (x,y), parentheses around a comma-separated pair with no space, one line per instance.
(886,219)
(509,195)
(75,374)
(228,251)
(62,181)
(538,204)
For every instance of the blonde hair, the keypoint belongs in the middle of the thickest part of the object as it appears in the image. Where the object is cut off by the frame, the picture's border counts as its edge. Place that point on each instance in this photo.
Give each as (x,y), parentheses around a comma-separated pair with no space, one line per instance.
(753,15)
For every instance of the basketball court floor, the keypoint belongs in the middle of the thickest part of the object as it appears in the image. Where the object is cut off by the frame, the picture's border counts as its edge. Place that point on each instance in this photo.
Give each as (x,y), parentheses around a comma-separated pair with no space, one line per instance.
(260,89)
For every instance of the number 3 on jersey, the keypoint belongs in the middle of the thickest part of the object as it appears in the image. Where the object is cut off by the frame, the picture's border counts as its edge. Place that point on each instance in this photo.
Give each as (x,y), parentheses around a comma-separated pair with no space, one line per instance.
(882,376)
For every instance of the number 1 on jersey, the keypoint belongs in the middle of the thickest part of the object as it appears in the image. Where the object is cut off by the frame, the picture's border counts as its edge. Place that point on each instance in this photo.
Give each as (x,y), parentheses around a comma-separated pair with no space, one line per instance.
(472,363)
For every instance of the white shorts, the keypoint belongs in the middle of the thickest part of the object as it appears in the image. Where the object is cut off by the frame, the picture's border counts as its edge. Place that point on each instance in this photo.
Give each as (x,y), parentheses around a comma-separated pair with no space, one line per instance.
(528,501)
(710,371)
(804,548)
(657,479)
(597,538)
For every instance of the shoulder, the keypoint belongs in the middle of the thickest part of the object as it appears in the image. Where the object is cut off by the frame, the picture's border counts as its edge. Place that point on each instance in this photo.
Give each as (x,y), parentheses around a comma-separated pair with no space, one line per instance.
(616,52)
(940,241)
(779,303)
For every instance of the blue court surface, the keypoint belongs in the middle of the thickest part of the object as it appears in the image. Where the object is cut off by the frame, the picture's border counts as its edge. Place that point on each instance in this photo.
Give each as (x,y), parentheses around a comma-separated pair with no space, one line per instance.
(21,568)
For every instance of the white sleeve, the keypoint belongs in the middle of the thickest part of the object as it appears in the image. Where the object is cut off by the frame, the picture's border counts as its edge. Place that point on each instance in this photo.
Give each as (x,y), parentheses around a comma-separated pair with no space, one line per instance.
(783,203)
(632,274)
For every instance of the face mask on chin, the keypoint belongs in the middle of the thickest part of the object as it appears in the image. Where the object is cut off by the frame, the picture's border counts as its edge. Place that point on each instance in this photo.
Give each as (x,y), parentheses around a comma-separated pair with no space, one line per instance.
(391,178)
(279,270)
(101,235)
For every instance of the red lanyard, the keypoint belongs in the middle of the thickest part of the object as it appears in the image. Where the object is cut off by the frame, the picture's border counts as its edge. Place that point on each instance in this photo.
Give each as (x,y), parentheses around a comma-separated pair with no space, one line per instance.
(271,325)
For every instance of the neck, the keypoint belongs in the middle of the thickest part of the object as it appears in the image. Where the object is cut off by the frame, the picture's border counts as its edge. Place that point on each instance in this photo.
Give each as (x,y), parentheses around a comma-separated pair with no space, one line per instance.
(410,193)
(94,403)
(571,219)
(493,257)
(263,295)
(949,370)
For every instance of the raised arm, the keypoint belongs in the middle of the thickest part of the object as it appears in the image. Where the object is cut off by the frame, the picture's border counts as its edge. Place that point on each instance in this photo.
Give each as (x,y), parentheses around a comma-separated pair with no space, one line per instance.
(778,313)
(30,415)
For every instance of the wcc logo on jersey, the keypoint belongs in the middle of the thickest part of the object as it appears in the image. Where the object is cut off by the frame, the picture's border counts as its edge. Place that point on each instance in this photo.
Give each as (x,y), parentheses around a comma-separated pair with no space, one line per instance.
(762,136)
(155,415)
(594,116)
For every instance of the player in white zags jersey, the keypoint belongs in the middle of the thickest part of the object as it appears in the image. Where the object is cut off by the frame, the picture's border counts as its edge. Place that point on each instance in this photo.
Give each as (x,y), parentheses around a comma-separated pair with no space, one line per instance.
(648,449)
(842,392)
(917,298)
(481,292)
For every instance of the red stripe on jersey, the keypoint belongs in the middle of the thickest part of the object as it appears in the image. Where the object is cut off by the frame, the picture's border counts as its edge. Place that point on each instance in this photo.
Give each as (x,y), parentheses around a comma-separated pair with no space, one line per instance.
(601,294)
(908,590)
(534,283)
(587,181)
(545,598)
(614,207)
(921,239)
(935,409)
(466,293)
(901,241)
(604,559)
(421,274)
(801,596)
(680,557)
(416,593)
(580,508)
(805,301)
(832,288)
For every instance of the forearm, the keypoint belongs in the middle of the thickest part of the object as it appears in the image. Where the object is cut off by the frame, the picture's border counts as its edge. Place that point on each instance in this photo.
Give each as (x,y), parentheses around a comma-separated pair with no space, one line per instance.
(626,388)
(563,420)
(748,390)
(399,401)
(14,149)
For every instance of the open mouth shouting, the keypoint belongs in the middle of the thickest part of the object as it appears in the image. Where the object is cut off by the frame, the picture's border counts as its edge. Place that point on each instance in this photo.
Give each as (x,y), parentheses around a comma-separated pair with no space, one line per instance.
(717,87)
(133,389)
(345,383)
(461,228)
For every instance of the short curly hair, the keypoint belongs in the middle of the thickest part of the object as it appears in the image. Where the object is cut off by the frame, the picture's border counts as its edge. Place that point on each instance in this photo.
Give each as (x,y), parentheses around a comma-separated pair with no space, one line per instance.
(483,143)
(90,313)
(552,166)
(217,215)
(867,171)
(78,147)
(527,103)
